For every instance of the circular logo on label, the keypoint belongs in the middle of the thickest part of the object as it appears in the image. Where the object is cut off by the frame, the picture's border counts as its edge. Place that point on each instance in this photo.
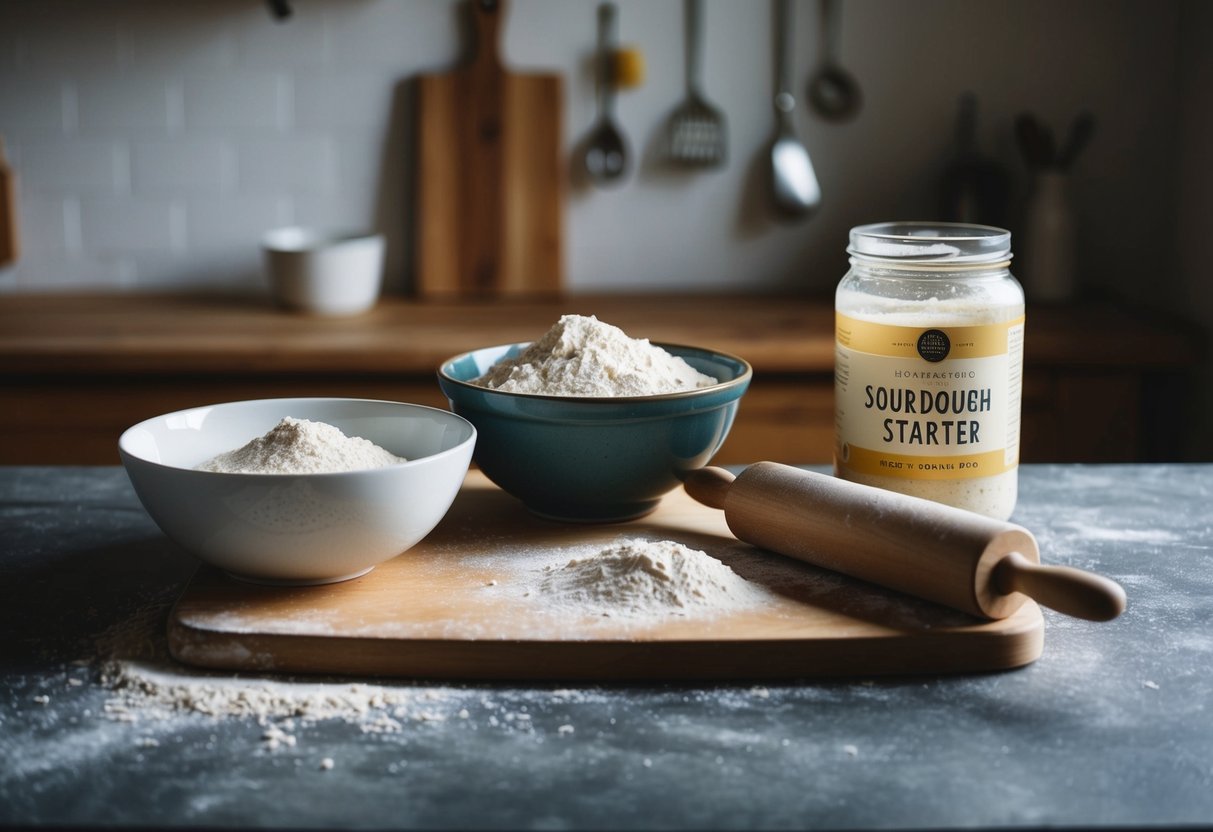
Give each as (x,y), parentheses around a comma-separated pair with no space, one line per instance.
(933,345)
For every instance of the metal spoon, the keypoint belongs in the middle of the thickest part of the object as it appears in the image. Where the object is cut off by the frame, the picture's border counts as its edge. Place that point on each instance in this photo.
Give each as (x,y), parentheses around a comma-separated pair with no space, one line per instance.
(794,183)
(833,92)
(606,152)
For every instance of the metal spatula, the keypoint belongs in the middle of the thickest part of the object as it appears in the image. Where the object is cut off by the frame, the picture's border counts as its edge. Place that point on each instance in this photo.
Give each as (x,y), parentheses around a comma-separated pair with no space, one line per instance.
(697,134)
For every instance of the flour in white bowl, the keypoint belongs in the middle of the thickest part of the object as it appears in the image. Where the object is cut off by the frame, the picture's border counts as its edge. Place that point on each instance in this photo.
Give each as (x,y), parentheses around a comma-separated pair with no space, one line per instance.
(584,357)
(300,446)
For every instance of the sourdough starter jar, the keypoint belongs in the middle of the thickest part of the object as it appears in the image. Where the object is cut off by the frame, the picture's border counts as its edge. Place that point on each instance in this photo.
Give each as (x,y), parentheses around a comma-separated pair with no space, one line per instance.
(928,365)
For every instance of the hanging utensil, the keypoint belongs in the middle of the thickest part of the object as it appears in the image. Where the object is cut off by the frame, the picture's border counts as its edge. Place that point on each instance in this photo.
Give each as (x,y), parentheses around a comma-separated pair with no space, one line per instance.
(974,188)
(697,134)
(794,183)
(1079,137)
(833,92)
(606,152)
(1035,142)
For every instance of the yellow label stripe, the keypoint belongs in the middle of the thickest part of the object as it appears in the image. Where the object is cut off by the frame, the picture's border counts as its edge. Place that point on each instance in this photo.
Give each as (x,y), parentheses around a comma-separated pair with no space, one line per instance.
(978,341)
(881,463)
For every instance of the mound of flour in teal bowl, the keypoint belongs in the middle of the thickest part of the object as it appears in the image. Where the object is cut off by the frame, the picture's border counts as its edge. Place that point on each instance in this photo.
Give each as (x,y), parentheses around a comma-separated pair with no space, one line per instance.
(595,458)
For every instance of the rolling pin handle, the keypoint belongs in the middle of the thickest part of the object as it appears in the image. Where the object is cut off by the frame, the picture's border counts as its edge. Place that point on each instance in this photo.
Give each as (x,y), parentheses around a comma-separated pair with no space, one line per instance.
(1070,591)
(709,485)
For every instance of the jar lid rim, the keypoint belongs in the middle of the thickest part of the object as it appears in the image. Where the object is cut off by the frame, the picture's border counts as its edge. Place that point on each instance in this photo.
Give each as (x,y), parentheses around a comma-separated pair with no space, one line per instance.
(930,242)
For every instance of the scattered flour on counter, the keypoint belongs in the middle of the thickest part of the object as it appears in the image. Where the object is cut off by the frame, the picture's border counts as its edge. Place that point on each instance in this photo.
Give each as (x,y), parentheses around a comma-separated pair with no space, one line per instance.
(146,687)
(146,691)
(582,356)
(300,446)
(635,578)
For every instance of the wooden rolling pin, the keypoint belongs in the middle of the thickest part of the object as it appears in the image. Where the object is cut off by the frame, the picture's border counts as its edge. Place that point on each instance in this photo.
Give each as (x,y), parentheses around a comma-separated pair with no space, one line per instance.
(954,557)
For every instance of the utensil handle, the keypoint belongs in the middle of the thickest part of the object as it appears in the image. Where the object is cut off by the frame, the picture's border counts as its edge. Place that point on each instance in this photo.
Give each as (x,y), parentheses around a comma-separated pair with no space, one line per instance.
(486,20)
(709,486)
(484,153)
(607,17)
(784,35)
(1062,588)
(831,29)
(694,48)
(785,100)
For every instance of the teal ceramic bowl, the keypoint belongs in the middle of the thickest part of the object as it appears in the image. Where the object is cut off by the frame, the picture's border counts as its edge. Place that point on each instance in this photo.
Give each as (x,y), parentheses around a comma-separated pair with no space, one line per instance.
(594,460)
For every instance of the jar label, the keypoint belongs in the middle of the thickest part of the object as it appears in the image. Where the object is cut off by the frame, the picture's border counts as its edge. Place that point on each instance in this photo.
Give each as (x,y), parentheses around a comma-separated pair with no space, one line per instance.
(927,402)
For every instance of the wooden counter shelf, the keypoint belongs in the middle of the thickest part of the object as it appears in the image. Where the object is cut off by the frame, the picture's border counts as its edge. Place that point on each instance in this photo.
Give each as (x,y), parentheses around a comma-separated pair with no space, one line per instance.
(78,369)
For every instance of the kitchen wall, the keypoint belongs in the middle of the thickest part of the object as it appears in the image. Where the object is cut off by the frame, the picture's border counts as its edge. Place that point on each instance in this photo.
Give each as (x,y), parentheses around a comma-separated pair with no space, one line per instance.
(157,140)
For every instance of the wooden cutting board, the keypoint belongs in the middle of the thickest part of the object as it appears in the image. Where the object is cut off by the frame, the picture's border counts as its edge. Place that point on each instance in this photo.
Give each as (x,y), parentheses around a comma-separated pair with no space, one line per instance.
(455,607)
(489,178)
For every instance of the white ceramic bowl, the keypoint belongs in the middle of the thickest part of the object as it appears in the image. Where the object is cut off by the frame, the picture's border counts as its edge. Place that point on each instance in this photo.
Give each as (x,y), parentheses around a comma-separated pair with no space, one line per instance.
(324,273)
(297,528)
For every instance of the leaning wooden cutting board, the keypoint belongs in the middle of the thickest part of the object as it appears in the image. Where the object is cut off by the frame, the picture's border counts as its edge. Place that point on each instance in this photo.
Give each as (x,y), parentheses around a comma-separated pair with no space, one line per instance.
(489,175)
(456,607)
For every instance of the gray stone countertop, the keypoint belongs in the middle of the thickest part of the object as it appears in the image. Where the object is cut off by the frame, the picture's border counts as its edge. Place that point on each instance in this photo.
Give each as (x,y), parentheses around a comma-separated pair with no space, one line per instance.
(1111,727)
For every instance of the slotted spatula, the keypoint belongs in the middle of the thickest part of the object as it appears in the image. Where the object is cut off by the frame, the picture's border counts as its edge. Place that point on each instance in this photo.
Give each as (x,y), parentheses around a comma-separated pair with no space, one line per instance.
(697,134)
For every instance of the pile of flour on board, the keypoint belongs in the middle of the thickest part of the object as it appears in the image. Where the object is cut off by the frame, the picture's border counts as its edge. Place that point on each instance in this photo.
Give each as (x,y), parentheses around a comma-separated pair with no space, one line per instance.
(582,356)
(300,446)
(646,580)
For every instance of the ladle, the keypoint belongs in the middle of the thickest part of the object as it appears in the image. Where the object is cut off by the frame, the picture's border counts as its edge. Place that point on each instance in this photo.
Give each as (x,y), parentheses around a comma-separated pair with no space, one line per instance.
(794,183)
(833,92)
(606,152)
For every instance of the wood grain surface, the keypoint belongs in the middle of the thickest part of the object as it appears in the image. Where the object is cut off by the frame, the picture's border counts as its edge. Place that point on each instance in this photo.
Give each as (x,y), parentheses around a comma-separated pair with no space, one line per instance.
(1098,379)
(244,334)
(455,606)
(490,187)
(10,244)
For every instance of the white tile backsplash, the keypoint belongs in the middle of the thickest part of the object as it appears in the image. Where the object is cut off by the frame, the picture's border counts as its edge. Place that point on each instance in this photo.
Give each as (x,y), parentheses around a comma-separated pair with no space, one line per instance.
(48,47)
(121,104)
(300,42)
(31,107)
(83,166)
(234,103)
(43,227)
(288,165)
(348,211)
(217,269)
(184,166)
(155,36)
(70,271)
(361,159)
(122,225)
(342,101)
(399,35)
(223,223)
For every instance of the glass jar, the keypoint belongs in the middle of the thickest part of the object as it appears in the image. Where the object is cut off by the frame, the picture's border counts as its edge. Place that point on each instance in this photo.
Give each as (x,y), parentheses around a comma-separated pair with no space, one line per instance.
(928,371)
